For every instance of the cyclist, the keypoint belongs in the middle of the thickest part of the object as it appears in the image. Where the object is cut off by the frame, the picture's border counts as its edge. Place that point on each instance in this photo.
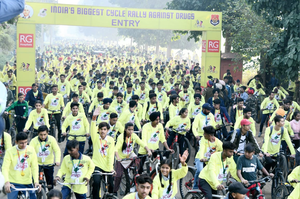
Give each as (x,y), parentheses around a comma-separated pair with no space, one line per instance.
(236,112)
(20,167)
(105,110)
(45,146)
(124,149)
(208,146)
(143,186)
(130,115)
(152,133)
(273,138)
(103,154)
(216,95)
(5,141)
(151,106)
(195,107)
(174,107)
(236,191)
(221,116)
(77,168)
(98,101)
(83,96)
(181,124)
(247,166)
(212,176)
(165,183)
(55,102)
(78,124)
(21,109)
(33,95)
(54,194)
(246,115)
(37,117)
(203,119)
(243,136)
(268,108)
(67,110)
(64,88)
(295,177)
(119,103)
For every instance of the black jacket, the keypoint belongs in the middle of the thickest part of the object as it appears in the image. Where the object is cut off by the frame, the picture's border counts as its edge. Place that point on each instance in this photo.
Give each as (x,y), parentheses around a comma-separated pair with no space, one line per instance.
(236,136)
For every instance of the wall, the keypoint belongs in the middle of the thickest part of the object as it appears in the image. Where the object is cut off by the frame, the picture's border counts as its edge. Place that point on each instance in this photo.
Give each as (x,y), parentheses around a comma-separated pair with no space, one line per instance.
(236,69)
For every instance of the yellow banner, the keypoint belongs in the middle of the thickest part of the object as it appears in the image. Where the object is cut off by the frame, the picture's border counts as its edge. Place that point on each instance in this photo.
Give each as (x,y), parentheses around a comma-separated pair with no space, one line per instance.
(112,17)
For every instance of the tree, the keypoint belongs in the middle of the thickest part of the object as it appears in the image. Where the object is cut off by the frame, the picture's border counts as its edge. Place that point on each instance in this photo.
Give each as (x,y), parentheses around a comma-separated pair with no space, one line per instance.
(284,50)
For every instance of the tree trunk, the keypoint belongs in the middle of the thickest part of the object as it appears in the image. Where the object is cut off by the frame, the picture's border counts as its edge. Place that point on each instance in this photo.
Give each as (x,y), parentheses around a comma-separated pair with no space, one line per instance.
(169,50)
(228,43)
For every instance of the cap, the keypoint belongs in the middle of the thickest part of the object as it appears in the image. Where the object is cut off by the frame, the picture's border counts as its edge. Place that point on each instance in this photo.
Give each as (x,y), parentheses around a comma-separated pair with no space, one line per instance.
(245,122)
(209,83)
(250,91)
(237,187)
(280,112)
(207,106)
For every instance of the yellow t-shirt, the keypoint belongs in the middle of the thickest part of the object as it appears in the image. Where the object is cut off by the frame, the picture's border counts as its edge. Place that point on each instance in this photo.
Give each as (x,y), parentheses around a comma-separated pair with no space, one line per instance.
(179,124)
(54,102)
(37,119)
(208,148)
(79,125)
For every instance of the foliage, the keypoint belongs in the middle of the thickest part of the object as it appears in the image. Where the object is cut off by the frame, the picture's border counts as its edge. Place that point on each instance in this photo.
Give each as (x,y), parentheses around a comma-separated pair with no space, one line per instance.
(284,50)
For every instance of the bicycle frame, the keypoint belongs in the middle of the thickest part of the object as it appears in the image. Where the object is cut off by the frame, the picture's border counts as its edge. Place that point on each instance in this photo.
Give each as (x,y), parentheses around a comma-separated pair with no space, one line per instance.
(104,180)
(22,190)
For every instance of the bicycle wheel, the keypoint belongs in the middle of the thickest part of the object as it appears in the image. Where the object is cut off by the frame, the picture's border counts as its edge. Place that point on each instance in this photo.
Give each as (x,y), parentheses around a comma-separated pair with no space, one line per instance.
(175,156)
(192,195)
(186,183)
(278,181)
(89,193)
(281,192)
(12,133)
(109,196)
(52,130)
(187,145)
(124,184)
(283,166)
(41,194)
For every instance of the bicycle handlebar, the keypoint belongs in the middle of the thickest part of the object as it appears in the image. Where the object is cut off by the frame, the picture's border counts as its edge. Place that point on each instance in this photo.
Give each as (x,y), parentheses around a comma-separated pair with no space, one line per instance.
(75,136)
(70,183)
(24,189)
(101,173)
(265,179)
(134,158)
(47,165)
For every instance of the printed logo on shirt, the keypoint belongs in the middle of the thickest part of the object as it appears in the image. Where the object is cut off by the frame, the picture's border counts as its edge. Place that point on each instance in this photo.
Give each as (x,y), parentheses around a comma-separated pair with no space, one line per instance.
(196,111)
(131,120)
(142,96)
(111,133)
(160,97)
(119,109)
(275,138)
(218,117)
(76,171)
(105,116)
(222,175)
(81,100)
(103,150)
(43,151)
(167,194)
(22,163)
(270,105)
(63,88)
(209,152)
(154,137)
(76,124)
(40,121)
(186,98)
(128,149)
(54,102)
(181,127)
(153,109)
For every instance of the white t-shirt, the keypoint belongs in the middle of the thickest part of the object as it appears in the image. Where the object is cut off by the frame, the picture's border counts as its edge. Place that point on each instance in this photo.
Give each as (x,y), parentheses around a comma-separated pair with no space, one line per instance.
(242,144)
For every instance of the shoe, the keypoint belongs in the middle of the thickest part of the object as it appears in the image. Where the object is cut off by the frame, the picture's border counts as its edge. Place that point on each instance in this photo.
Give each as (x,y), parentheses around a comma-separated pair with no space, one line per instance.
(259,134)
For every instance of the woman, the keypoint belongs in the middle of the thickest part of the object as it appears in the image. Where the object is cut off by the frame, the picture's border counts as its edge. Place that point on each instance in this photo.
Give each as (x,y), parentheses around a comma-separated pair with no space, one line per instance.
(165,183)
(37,117)
(181,124)
(127,80)
(124,149)
(295,125)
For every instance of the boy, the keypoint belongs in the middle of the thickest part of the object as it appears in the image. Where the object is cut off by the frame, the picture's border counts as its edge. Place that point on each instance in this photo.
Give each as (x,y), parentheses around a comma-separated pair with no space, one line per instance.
(143,186)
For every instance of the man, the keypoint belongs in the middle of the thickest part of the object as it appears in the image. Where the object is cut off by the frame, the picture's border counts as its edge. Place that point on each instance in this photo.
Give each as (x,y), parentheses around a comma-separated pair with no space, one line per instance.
(273,138)
(142,92)
(243,93)
(103,153)
(195,107)
(83,96)
(143,187)
(247,166)
(251,102)
(21,109)
(79,126)
(208,91)
(96,102)
(11,80)
(64,88)
(246,115)
(128,93)
(105,110)
(55,103)
(119,104)
(221,116)
(216,171)
(9,100)
(67,110)
(151,106)
(236,191)
(46,147)
(33,95)
(130,116)
(174,107)
(203,119)
(236,112)
(99,89)
(267,107)
(77,168)
(243,136)
(20,168)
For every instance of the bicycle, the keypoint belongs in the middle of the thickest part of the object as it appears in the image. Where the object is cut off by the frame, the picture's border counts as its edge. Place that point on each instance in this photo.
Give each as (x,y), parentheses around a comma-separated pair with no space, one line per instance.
(186,183)
(269,114)
(132,172)
(263,181)
(72,193)
(42,181)
(284,190)
(106,194)
(23,192)
(52,122)
(13,129)
(86,109)
(175,147)
(197,194)
(219,133)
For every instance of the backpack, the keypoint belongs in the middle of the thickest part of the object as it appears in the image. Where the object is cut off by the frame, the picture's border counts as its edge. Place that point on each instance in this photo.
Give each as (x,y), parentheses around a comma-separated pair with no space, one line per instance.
(148,105)
(281,134)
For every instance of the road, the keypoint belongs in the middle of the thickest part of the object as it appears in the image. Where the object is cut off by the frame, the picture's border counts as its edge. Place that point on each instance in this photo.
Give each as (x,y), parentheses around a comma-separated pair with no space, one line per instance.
(266,190)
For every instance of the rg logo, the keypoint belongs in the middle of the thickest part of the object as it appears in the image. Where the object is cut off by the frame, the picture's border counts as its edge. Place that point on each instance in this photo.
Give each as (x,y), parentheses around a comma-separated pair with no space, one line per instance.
(26,40)
(213,46)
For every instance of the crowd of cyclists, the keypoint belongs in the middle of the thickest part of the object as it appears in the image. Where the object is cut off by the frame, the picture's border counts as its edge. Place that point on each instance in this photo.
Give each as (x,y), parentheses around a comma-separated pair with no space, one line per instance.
(128,106)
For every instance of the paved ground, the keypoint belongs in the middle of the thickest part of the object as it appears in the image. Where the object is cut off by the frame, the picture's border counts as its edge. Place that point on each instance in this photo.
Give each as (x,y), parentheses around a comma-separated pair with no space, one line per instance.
(266,190)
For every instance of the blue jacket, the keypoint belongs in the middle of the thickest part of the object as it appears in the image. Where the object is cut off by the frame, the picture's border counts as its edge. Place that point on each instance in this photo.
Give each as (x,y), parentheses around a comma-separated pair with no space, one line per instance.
(223,113)
(31,99)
